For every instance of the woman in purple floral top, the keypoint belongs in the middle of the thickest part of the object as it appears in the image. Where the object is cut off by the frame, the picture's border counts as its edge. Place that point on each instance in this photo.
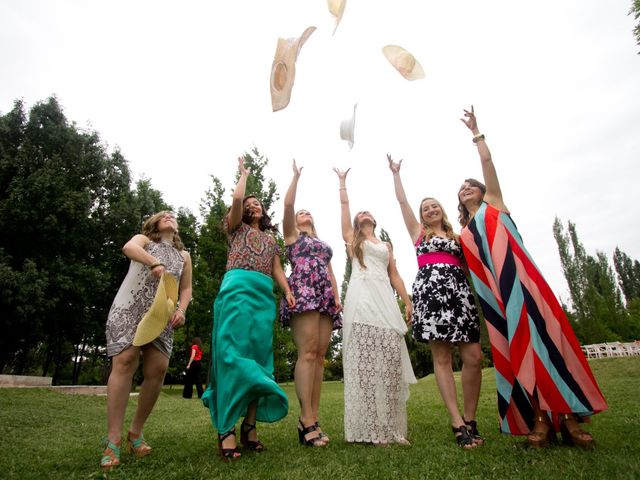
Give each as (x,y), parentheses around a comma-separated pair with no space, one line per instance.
(315,314)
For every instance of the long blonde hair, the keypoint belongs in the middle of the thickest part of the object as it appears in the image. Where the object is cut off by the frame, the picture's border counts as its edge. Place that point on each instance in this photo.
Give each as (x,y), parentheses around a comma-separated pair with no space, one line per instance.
(446,225)
(314,233)
(150,230)
(358,238)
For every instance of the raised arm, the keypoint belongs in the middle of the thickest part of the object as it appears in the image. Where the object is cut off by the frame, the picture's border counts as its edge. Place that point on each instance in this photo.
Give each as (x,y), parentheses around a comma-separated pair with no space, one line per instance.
(289,229)
(235,214)
(414,227)
(345,212)
(493,194)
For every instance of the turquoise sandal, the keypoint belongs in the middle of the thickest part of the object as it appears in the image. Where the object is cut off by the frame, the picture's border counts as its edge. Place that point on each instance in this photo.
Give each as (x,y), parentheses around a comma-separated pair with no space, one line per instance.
(139,447)
(110,456)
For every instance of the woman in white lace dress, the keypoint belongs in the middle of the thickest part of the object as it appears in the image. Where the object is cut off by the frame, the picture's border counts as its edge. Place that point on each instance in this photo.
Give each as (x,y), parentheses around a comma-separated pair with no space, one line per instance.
(377,369)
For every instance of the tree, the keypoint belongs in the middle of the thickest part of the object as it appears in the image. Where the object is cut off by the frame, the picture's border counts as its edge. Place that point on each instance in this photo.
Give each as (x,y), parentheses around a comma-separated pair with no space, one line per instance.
(599,314)
(628,271)
(66,208)
(209,259)
(635,11)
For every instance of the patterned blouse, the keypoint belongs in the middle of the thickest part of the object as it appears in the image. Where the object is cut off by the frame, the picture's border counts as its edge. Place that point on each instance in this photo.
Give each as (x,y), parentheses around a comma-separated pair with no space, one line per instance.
(251,249)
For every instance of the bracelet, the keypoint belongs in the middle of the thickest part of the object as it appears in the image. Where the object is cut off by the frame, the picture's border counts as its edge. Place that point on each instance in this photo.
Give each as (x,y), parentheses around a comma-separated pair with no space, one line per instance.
(154,265)
(180,309)
(342,188)
(477,138)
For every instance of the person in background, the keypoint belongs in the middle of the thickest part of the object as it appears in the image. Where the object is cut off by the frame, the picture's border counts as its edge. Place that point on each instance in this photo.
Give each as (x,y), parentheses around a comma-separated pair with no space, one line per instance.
(241,380)
(377,368)
(444,310)
(543,378)
(194,370)
(158,249)
(315,314)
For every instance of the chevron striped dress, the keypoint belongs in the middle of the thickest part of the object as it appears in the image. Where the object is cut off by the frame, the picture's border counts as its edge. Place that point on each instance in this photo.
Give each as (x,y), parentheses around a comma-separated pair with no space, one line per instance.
(535,352)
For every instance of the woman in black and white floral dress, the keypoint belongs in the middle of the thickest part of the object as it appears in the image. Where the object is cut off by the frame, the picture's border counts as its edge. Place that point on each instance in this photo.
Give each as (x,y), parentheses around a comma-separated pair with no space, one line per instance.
(444,310)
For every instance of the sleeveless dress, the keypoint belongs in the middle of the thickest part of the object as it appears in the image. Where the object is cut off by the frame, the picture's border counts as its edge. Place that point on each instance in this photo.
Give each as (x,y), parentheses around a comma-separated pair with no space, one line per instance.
(534,348)
(136,295)
(444,308)
(377,369)
(309,281)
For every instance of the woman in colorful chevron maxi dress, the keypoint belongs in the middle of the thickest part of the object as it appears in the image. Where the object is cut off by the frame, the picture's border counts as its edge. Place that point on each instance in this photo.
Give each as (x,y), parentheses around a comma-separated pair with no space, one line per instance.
(543,379)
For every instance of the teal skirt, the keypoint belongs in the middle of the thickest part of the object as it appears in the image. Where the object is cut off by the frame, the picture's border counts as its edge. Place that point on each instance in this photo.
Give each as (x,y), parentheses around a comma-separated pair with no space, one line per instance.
(242,352)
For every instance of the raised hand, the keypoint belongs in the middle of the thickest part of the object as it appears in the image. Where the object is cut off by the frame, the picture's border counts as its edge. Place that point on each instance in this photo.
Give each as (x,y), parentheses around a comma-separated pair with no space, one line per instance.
(470,120)
(393,166)
(296,171)
(342,174)
(242,168)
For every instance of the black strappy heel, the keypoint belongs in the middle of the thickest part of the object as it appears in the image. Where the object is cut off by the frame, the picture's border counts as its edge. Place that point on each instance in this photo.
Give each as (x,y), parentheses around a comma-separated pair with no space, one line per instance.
(472,427)
(228,454)
(304,431)
(463,437)
(323,436)
(255,445)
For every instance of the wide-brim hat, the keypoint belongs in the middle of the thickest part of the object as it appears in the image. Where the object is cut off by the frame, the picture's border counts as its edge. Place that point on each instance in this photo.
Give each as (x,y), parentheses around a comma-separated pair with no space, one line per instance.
(404,62)
(158,315)
(336,8)
(283,69)
(347,128)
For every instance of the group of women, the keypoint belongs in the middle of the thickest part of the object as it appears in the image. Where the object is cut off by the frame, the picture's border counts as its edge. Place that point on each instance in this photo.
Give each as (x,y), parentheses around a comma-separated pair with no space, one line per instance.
(544,382)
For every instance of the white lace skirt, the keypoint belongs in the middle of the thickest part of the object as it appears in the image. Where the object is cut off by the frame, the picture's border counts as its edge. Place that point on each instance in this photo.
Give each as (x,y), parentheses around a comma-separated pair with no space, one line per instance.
(375,391)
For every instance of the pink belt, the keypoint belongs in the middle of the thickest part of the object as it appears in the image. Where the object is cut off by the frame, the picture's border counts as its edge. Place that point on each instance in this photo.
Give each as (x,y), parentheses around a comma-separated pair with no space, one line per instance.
(438,257)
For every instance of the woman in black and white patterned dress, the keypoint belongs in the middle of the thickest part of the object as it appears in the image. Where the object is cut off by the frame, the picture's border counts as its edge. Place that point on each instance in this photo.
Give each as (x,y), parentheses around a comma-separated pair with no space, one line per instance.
(444,310)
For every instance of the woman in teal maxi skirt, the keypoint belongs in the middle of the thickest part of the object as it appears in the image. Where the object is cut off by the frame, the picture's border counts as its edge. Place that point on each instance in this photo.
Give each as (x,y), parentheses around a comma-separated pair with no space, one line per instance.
(241,382)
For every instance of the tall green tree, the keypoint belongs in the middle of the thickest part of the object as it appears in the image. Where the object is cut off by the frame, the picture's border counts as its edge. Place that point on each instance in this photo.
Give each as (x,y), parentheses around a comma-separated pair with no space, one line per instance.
(598,312)
(62,206)
(628,271)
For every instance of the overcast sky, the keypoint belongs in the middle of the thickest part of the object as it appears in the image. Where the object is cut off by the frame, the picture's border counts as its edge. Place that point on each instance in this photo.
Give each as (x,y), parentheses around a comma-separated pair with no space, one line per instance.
(182,88)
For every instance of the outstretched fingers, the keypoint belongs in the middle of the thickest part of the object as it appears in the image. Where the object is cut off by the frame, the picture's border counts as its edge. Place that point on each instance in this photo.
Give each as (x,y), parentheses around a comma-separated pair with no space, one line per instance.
(241,167)
(394,166)
(341,173)
(296,171)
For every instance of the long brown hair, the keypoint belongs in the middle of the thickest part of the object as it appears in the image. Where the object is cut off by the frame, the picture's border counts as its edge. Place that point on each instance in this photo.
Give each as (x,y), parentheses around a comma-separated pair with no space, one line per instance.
(150,229)
(464,215)
(358,238)
(265,220)
(446,224)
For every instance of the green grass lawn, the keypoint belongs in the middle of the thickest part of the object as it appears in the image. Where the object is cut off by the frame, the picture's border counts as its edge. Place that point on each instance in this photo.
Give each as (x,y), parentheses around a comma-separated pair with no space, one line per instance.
(44,434)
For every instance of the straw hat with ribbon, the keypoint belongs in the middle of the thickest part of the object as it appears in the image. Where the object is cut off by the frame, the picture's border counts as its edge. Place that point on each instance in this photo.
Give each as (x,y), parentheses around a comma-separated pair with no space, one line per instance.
(336,8)
(404,62)
(283,69)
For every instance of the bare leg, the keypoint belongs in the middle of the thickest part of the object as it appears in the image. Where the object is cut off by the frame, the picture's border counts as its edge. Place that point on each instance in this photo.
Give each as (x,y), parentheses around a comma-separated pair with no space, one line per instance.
(441,352)
(306,337)
(471,377)
(123,367)
(154,368)
(325,327)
